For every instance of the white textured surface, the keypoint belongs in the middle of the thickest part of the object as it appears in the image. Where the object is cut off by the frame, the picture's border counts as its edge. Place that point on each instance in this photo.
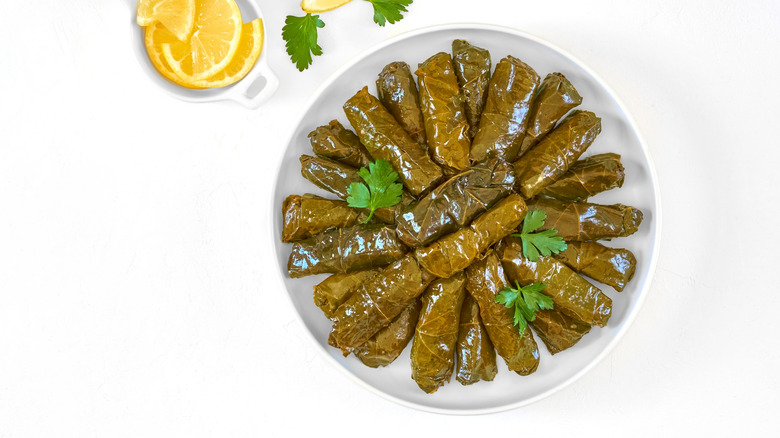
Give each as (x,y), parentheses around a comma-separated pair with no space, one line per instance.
(136,292)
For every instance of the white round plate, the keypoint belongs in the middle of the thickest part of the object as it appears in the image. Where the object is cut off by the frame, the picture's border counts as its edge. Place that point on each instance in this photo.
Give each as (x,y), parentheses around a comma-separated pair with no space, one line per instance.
(619,134)
(251,91)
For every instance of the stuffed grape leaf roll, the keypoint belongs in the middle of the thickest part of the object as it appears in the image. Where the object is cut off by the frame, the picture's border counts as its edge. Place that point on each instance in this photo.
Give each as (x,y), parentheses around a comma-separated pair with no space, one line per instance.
(476,357)
(484,280)
(336,142)
(385,346)
(587,221)
(558,331)
(506,111)
(472,68)
(343,250)
(552,157)
(307,215)
(377,302)
(455,203)
(612,266)
(456,251)
(553,99)
(446,127)
(396,88)
(436,335)
(385,139)
(337,288)
(571,294)
(329,175)
(587,177)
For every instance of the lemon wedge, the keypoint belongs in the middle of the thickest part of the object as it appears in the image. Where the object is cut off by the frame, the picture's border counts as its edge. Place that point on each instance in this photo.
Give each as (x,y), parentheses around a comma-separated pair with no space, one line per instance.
(322,5)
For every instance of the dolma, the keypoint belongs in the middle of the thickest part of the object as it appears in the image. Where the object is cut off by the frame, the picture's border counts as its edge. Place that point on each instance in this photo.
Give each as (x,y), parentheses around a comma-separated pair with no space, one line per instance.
(446,127)
(436,335)
(456,251)
(612,266)
(385,346)
(553,99)
(377,302)
(343,250)
(552,157)
(307,215)
(587,221)
(587,177)
(558,331)
(336,178)
(396,88)
(472,68)
(455,203)
(485,280)
(337,288)
(505,116)
(336,142)
(385,139)
(476,357)
(329,175)
(571,294)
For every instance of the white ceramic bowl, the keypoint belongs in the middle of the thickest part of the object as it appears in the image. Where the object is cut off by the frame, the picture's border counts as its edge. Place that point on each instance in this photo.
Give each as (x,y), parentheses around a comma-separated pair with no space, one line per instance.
(619,135)
(251,91)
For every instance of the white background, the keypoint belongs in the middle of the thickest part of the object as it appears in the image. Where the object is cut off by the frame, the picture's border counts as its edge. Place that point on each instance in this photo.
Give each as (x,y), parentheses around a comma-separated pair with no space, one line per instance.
(137,292)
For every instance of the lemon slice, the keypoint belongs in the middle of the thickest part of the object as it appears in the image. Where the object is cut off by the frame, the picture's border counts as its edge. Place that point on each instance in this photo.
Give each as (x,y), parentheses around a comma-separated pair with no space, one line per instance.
(246,56)
(214,40)
(322,5)
(178,16)
(155,36)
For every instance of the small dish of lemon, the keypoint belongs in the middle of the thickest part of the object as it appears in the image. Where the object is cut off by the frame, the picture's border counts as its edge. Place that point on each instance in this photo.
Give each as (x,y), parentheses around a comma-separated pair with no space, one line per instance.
(203,50)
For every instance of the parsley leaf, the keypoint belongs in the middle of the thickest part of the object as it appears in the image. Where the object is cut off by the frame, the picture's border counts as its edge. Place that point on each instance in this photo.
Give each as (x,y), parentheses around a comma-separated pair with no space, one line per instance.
(546,242)
(526,301)
(380,189)
(301,36)
(389,10)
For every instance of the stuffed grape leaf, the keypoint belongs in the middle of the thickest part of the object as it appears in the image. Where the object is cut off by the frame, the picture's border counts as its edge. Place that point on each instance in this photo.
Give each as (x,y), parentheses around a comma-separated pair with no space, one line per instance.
(343,250)
(472,68)
(506,111)
(436,335)
(446,127)
(587,221)
(552,157)
(476,357)
(396,88)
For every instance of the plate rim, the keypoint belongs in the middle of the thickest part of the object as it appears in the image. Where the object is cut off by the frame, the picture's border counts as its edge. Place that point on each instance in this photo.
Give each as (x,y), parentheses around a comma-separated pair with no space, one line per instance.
(657,217)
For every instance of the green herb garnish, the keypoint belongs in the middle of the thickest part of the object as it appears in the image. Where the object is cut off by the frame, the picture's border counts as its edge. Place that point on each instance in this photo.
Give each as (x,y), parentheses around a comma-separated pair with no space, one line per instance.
(389,10)
(301,36)
(300,33)
(526,300)
(380,189)
(546,242)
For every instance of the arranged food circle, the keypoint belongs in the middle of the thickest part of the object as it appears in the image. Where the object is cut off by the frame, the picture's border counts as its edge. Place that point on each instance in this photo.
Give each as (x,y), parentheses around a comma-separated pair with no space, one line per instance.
(460,221)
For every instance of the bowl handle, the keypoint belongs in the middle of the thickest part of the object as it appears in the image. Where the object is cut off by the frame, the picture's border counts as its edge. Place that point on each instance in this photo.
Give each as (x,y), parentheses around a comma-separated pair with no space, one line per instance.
(257,87)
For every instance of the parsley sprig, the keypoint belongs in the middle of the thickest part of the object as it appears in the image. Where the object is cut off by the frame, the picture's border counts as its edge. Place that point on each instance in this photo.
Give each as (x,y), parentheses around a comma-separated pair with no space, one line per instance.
(526,301)
(546,242)
(379,190)
(301,36)
(389,10)
(300,33)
